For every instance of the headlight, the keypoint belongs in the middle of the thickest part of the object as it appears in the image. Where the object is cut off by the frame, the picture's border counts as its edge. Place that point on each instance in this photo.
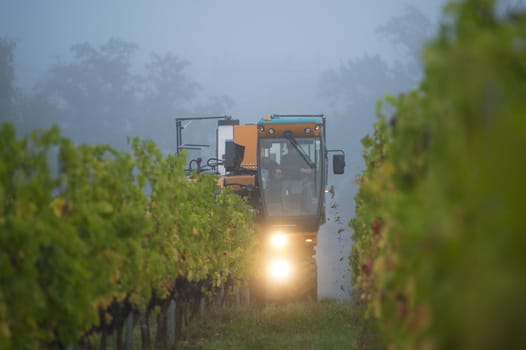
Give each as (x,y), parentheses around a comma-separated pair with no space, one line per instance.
(279,270)
(278,240)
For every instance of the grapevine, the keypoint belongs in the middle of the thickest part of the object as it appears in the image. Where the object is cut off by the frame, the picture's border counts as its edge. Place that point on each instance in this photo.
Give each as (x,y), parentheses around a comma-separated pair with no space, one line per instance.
(88,231)
(438,232)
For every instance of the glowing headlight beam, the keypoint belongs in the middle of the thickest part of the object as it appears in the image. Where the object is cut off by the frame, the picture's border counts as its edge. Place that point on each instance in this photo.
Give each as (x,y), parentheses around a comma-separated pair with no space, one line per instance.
(279,270)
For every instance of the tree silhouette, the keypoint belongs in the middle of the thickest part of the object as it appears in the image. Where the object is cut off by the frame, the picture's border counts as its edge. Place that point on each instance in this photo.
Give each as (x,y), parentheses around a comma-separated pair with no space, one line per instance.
(95,94)
(364,80)
(354,88)
(408,31)
(98,96)
(167,91)
(7,77)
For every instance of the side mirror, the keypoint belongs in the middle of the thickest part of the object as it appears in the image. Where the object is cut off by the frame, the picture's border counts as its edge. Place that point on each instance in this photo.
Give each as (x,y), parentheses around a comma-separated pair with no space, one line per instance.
(338,164)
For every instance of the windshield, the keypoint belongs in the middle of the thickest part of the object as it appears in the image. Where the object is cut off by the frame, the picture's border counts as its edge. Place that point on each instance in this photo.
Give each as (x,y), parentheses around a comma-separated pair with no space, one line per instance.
(290,176)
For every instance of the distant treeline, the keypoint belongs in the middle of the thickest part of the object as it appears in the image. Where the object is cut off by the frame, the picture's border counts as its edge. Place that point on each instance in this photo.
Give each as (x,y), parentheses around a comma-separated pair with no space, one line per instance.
(102,95)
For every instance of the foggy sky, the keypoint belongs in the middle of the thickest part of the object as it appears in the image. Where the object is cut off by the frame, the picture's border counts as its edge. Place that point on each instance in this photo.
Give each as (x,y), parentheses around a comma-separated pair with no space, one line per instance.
(267,56)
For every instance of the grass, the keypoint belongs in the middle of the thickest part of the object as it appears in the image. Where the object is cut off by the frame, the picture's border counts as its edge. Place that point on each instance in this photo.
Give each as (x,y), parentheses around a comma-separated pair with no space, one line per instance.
(325,325)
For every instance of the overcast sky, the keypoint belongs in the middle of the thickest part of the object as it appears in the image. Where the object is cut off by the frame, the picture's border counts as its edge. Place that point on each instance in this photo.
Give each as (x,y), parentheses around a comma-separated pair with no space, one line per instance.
(267,56)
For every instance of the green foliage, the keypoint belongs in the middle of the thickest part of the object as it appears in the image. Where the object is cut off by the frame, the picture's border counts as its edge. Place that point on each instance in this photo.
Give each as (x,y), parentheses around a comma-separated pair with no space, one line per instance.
(82,226)
(439,229)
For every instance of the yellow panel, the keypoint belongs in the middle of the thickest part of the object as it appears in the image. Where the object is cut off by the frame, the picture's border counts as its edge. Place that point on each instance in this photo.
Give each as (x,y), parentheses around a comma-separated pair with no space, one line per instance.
(246,135)
(249,180)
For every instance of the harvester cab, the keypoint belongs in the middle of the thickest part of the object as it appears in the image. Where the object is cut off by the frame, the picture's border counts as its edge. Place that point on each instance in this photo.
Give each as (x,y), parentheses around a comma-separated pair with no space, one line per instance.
(292,171)
(281,165)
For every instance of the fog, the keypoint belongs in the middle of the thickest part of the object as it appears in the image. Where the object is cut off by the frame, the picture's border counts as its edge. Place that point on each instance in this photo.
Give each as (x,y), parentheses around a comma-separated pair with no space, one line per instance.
(136,65)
